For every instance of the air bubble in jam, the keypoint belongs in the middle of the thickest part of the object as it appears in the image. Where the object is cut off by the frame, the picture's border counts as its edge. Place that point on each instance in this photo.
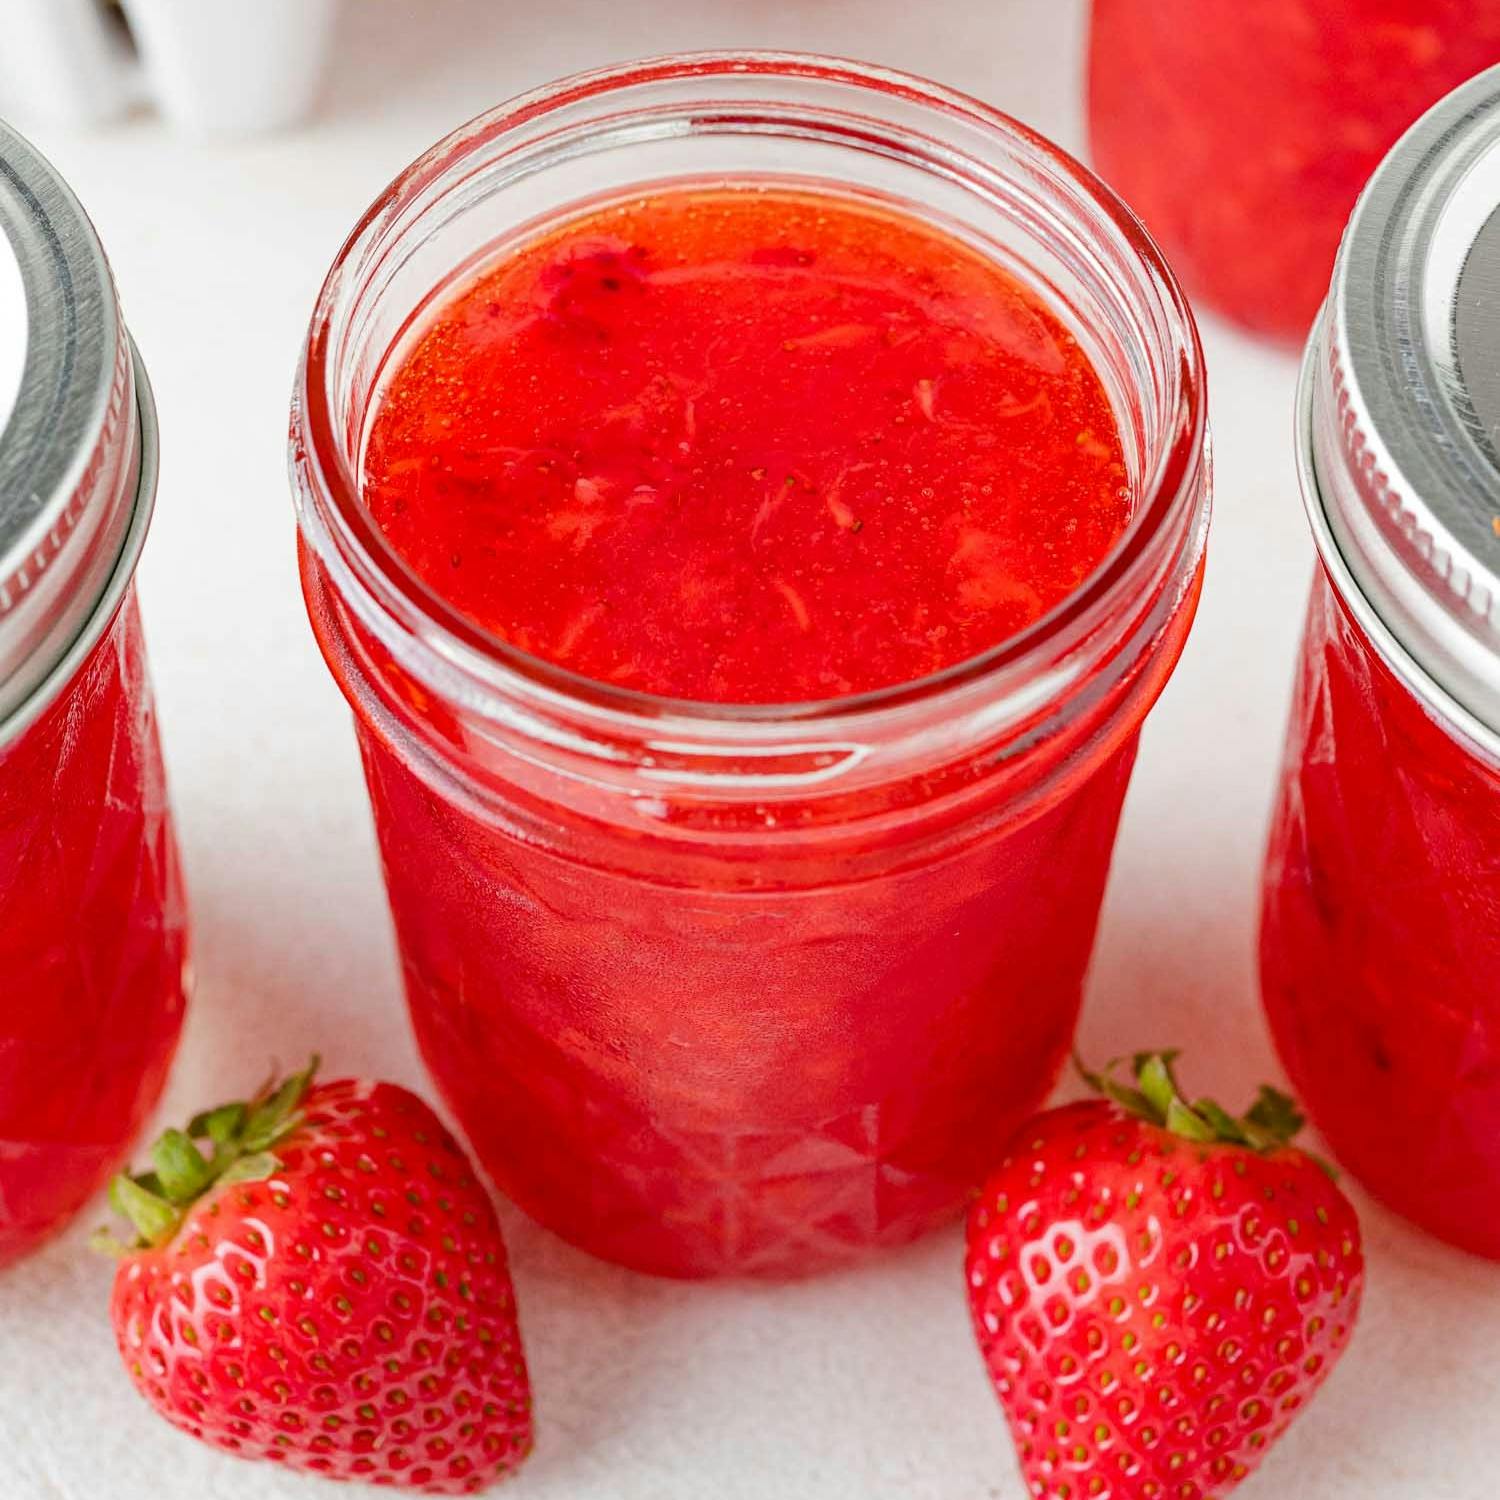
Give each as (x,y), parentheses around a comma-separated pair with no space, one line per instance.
(748,446)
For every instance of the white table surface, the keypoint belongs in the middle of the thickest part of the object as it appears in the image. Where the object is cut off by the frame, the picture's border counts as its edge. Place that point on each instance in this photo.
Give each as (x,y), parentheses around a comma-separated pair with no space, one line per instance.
(862,1386)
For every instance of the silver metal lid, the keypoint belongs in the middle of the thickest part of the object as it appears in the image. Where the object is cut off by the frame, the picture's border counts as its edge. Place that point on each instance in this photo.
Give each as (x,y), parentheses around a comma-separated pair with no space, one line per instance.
(69,426)
(1404,422)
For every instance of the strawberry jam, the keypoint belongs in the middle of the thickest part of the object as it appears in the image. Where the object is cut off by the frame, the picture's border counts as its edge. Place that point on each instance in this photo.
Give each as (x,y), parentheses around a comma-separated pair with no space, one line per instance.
(92,938)
(748,446)
(1380,945)
(1243,132)
(749,604)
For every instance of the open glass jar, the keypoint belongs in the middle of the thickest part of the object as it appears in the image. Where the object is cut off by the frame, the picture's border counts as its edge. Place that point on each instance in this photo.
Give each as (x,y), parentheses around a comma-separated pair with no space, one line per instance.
(719,988)
(92,927)
(1242,133)
(1380,943)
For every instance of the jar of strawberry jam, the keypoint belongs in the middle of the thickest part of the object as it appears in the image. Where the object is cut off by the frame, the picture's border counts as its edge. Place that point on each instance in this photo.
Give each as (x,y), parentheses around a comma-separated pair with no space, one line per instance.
(1243,132)
(1380,945)
(751,503)
(92,937)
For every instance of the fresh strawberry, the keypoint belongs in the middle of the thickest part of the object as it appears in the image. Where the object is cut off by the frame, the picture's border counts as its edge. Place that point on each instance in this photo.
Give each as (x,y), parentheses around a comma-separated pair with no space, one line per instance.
(1158,1288)
(320,1280)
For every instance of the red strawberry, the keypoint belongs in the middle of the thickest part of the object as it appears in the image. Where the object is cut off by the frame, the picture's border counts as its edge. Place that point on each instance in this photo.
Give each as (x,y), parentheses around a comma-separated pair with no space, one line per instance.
(1158,1288)
(324,1283)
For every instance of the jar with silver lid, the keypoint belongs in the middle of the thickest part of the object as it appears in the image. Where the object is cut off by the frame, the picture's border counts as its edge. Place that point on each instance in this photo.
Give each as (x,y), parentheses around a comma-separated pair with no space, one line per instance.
(92,924)
(1380,938)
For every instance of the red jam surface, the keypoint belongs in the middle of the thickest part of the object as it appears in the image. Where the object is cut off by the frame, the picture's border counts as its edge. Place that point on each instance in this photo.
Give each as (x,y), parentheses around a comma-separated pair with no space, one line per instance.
(1380,942)
(742,445)
(748,446)
(1243,132)
(92,939)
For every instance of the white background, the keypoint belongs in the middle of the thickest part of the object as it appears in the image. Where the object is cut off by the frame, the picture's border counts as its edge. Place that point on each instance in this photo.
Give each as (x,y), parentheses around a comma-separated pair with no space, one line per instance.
(12,331)
(864,1386)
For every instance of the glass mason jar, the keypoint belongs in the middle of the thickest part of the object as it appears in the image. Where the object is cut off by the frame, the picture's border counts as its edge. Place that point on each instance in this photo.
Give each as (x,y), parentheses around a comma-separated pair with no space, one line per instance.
(92,929)
(1380,943)
(717,988)
(1242,133)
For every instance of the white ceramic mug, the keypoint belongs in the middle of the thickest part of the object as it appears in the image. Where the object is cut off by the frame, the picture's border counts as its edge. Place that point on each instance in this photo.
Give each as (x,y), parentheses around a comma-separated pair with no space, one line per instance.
(210,65)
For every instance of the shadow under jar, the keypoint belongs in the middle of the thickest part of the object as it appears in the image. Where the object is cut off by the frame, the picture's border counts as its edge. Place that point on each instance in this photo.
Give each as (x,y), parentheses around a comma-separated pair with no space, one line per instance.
(748,987)
(92,924)
(1242,133)
(1380,940)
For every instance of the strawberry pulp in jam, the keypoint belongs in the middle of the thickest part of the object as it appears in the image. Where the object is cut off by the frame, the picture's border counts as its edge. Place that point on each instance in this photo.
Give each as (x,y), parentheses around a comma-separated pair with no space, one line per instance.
(748,447)
(744,445)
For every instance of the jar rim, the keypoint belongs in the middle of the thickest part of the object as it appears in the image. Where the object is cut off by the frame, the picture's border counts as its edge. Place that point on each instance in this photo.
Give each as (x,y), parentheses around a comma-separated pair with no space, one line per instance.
(103,607)
(1405,402)
(1320,505)
(1173,486)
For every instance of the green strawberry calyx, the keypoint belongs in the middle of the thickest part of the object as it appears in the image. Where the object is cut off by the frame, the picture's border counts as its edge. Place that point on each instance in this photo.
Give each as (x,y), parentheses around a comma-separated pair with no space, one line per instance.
(1152,1094)
(233,1143)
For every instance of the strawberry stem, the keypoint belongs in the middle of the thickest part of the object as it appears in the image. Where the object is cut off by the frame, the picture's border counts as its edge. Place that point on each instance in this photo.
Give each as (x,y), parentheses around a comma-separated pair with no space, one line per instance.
(154,1218)
(240,1137)
(1153,1094)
